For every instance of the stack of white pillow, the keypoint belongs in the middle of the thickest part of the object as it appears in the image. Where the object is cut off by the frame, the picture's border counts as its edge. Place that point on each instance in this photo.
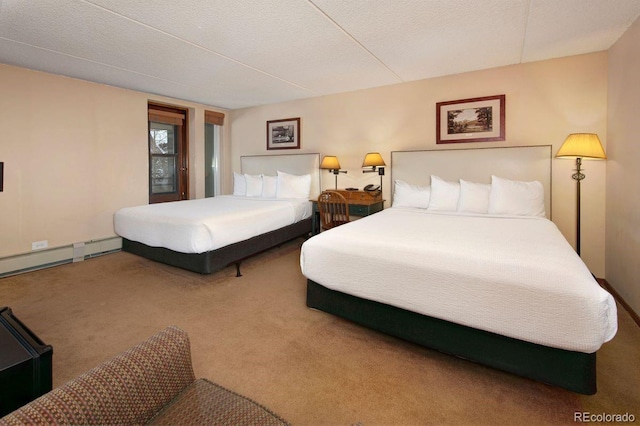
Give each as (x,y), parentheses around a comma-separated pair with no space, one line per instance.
(284,185)
(500,197)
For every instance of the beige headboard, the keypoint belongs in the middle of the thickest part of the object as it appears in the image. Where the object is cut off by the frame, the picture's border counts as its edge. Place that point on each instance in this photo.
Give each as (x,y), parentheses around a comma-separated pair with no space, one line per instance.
(295,164)
(524,163)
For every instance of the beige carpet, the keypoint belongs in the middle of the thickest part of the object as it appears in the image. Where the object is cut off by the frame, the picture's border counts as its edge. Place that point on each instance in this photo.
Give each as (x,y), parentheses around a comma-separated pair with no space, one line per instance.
(256,336)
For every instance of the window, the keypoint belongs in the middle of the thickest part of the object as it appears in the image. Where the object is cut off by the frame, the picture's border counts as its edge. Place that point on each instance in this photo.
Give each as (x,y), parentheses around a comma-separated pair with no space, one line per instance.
(168,172)
(213,121)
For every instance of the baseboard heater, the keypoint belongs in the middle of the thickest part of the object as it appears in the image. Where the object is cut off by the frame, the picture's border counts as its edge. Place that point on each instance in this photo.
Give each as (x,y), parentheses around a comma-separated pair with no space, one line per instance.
(40,259)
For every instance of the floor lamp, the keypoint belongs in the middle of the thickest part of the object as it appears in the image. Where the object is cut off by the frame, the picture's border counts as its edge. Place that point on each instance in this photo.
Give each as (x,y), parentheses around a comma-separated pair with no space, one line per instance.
(579,146)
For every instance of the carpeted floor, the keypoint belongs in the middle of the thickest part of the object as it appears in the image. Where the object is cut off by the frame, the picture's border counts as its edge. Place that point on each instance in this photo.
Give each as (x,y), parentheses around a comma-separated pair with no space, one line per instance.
(256,336)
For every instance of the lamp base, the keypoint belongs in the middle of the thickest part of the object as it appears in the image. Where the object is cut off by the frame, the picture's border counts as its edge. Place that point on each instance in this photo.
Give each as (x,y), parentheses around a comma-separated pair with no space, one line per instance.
(336,172)
(578,176)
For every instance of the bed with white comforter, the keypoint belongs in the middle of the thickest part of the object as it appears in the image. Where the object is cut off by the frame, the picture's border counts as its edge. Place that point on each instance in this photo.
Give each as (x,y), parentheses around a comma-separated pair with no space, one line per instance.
(206,235)
(514,276)
(467,263)
(202,225)
(269,206)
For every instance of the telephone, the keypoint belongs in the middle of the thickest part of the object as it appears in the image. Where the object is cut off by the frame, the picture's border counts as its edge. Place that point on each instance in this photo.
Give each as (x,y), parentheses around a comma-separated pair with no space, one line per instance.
(372,187)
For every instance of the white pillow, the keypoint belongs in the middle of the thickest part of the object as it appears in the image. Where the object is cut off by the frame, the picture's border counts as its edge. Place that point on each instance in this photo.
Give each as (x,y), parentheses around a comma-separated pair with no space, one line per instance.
(254,185)
(269,186)
(444,195)
(239,184)
(512,197)
(407,195)
(293,186)
(474,197)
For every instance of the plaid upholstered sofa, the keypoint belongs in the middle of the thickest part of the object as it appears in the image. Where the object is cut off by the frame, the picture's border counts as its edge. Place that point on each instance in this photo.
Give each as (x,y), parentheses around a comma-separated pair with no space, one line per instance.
(151,383)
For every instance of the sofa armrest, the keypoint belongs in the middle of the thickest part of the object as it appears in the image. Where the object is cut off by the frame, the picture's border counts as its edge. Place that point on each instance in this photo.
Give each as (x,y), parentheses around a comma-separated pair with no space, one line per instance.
(128,389)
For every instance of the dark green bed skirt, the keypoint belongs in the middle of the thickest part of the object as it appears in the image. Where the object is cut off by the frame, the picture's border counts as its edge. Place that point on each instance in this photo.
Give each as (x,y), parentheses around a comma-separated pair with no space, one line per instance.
(212,261)
(574,371)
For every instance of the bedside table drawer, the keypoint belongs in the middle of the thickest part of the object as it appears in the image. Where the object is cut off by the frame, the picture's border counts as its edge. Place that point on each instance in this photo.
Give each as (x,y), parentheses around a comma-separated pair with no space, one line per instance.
(358,210)
(359,196)
(365,209)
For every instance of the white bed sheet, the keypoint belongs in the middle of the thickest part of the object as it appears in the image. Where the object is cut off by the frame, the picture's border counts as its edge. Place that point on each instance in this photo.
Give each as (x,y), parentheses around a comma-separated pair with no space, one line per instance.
(197,226)
(515,276)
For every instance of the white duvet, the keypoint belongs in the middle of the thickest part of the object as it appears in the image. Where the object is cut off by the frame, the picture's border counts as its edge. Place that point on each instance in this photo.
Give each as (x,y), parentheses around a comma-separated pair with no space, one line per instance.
(197,226)
(515,276)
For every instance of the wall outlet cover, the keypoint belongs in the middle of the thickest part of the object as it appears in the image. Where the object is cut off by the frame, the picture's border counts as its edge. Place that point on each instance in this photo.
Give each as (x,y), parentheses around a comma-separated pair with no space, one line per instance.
(38,245)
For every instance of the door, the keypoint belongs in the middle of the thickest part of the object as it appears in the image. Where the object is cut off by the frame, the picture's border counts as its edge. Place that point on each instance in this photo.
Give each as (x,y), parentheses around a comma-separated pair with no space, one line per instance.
(168,171)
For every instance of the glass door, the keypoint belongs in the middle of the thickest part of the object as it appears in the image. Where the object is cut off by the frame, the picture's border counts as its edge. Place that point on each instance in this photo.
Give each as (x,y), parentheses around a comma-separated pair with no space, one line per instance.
(162,149)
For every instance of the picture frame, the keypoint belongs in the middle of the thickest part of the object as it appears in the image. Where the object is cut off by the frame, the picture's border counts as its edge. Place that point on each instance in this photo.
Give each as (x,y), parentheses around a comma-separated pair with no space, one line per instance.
(471,120)
(283,134)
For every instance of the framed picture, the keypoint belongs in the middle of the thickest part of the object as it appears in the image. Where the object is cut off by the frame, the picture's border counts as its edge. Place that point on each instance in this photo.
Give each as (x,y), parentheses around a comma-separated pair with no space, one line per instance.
(470,120)
(283,134)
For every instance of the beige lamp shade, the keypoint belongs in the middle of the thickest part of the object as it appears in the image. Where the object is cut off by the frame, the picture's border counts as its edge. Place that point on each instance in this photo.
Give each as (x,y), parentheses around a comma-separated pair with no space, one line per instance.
(582,145)
(330,162)
(373,159)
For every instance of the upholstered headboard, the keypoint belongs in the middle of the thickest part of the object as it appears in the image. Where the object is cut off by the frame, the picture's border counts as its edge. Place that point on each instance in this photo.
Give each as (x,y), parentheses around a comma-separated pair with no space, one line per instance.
(524,163)
(295,164)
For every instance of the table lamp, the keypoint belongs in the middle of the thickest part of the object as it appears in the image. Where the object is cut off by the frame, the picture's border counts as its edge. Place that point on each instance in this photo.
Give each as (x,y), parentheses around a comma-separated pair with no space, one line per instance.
(331,163)
(375,161)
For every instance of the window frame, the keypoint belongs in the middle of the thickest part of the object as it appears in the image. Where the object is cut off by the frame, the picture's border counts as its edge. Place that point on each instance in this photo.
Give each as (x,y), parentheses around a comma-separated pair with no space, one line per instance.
(166,114)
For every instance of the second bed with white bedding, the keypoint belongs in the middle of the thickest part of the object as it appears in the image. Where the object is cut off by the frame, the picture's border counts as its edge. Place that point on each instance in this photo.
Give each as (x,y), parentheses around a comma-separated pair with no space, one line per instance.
(198,226)
(514,276)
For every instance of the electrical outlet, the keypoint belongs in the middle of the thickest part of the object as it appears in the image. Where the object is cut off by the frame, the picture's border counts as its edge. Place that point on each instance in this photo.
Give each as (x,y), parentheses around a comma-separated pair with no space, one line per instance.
(37,245)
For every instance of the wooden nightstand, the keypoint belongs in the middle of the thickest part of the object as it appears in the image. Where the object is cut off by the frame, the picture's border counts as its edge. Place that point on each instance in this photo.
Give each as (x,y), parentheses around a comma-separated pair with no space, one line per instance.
(361,203)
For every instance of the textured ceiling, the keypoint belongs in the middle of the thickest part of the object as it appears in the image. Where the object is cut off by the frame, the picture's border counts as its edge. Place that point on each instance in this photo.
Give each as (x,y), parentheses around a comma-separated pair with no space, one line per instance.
(240,53)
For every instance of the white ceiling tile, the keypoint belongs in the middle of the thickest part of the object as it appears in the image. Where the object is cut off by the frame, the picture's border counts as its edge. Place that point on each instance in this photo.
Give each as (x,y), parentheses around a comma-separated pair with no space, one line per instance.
(289,39)
(44,60)
(249,88)
(420,39)
(572,27)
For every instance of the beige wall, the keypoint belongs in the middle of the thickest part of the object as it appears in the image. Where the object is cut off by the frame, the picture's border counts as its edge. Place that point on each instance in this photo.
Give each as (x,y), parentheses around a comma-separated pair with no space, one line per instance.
(623,173)
(545,101)
(74,153)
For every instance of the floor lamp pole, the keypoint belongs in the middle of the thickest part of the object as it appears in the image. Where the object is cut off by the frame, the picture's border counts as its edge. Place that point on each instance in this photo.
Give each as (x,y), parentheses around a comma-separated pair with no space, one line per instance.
(578,176)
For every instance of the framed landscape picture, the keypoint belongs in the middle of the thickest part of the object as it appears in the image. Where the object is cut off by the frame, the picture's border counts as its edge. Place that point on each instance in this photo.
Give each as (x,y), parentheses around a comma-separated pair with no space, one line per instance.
(283,134)
(471,120)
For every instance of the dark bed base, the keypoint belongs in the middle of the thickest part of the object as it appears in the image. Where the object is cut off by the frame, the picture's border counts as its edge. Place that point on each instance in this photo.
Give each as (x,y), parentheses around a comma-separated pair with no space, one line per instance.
(211,261)
(574,371)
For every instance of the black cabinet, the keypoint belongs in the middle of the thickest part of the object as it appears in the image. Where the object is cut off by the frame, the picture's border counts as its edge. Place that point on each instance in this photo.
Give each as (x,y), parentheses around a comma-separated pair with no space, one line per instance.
(25,364)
